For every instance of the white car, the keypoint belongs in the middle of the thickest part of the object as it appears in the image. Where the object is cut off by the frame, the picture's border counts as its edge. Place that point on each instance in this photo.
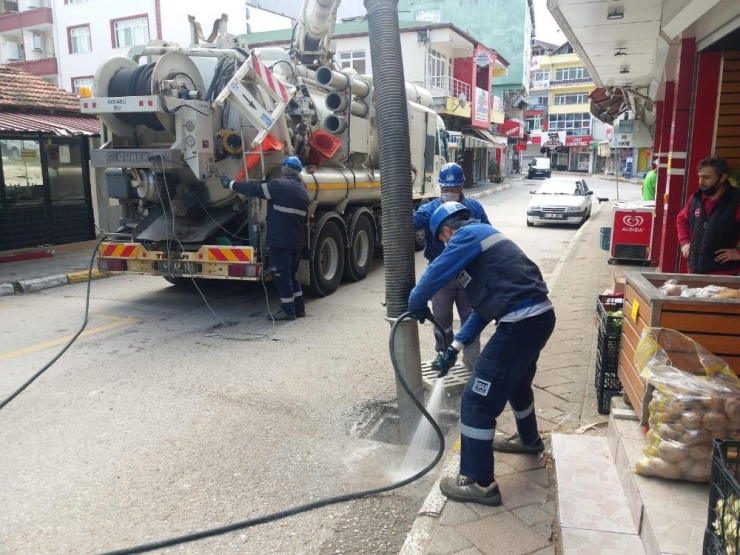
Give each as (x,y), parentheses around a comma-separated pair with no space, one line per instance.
(561,202)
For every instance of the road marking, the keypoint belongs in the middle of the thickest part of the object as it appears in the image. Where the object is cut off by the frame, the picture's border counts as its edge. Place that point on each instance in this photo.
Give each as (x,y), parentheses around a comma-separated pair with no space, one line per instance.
(117,322)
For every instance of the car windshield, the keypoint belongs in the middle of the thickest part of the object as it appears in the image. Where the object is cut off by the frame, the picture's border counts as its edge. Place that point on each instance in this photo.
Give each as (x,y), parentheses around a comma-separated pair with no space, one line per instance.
(558,189)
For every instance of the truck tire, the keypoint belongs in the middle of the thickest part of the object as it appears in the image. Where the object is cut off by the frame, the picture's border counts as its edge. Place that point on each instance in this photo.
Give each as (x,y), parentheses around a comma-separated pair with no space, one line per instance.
(327,260)
(360,252)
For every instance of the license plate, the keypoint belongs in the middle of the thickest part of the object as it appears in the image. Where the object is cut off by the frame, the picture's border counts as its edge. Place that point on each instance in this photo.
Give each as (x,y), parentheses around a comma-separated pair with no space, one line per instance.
(176,267)
(553,216)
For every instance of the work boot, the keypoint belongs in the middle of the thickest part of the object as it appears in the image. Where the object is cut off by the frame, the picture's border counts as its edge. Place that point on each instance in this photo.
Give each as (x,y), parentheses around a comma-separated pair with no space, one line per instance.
(513,444)
(300,313)
(467,490)
(281,315)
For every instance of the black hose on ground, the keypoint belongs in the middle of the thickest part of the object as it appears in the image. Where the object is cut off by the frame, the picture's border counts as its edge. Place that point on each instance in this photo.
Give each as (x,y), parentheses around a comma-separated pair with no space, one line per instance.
(322,502)
(391,108)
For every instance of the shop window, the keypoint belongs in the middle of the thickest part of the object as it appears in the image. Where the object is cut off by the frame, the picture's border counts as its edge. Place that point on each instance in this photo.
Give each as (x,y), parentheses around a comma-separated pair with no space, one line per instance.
(23,182)
(534,124)
(355,59)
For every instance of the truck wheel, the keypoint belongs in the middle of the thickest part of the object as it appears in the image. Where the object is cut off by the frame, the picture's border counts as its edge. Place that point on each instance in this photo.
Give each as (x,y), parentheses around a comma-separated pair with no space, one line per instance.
(361,249)
(327,261)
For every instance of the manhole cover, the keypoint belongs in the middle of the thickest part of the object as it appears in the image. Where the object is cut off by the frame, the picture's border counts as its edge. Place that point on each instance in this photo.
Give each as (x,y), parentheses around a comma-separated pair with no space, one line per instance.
(380,422)
(455,380)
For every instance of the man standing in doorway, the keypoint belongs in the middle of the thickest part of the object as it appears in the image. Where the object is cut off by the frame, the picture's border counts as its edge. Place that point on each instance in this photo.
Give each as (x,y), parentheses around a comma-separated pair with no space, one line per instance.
(709,224)
(287,206)
(451,179)
(648,185)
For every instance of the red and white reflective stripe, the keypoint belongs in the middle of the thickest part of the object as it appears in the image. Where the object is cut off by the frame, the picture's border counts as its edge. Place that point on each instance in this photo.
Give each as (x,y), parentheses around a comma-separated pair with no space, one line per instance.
(266,75)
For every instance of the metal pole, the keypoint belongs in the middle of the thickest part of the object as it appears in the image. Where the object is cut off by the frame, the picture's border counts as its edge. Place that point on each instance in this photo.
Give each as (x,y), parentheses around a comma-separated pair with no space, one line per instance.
(391,108)
(617,159)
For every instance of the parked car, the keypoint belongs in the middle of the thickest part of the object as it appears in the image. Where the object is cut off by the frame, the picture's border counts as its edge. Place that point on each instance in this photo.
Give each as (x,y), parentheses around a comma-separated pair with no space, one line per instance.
(11,149)
(539,167)
(560,202)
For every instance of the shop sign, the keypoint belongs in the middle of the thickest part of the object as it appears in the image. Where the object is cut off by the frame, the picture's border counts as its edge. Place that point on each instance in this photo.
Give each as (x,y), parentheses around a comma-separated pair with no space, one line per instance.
(29,154)
(624,140)
(498,104)
(453,141)
(483,59)
(583,140)
(552,140)
(609,132)
(481,114)
(512,128)
(626,126)
(519,148)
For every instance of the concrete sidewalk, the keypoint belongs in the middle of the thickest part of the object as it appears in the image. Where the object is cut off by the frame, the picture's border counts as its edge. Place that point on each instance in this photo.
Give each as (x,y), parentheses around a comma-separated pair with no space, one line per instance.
(69,263)
(565,402)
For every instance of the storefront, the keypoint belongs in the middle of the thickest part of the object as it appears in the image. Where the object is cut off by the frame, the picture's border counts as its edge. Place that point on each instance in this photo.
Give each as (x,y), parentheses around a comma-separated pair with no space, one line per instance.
(46,197)
(476,155)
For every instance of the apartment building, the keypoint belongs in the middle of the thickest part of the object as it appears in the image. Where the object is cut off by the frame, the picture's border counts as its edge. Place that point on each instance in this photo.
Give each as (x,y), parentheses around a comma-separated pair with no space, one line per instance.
(27,37)
(558,118)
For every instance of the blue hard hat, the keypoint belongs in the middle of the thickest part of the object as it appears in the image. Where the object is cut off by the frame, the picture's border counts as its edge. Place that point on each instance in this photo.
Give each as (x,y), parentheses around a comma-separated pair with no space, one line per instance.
(293,162)
(451,175)
(447,210)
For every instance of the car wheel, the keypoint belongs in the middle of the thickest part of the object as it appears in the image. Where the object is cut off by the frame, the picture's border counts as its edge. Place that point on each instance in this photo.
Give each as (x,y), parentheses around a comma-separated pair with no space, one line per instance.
(529,176)
(530,224)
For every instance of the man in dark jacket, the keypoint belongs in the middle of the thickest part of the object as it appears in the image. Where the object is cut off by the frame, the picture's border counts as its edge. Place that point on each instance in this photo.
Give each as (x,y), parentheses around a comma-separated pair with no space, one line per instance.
(451,179)
(502,284)
(709,225)
(287,206)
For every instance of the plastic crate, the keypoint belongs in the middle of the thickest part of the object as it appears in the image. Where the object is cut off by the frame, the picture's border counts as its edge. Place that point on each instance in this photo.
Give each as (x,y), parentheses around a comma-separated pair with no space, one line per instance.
(724,484)
(606,381)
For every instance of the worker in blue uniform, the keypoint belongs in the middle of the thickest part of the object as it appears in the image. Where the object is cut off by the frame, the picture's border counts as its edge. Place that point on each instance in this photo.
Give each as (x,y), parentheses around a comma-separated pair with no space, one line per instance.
(287,206)
(451,179)
(505,286)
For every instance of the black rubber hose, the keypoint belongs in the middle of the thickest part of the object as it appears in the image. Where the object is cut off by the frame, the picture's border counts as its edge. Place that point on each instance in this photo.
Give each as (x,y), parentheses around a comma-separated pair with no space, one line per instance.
(135,82)
(322,502)
(391,109)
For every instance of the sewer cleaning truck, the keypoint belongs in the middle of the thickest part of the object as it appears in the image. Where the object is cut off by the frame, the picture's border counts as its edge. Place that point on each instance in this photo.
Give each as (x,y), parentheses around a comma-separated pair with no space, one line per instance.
(174,119)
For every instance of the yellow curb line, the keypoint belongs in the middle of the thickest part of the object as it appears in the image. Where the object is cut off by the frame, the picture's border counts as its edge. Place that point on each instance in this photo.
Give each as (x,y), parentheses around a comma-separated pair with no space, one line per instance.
(81,276)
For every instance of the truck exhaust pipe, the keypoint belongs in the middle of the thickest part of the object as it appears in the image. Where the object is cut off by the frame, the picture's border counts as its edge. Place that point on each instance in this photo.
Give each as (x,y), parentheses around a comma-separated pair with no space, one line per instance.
(330,79)
(335,124)
(337,102)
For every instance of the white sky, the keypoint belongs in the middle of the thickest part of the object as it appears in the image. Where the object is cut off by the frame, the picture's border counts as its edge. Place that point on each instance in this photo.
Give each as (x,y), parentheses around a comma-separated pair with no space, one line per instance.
(545,26)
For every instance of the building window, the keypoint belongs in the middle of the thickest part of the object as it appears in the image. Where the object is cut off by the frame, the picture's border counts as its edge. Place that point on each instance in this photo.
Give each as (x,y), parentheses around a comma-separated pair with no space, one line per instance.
(574,125)
(79,39)
(78,82)
(439,64)
(428,15)
(534,124)
(540,77)
(574,98)
(572,74)
(356,60)
(130,32)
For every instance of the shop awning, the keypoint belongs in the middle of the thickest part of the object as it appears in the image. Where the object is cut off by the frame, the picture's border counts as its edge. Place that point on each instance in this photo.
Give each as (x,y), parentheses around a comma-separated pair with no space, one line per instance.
(513,128)
(65,126)
(497,140)
(607,105)
(472,141)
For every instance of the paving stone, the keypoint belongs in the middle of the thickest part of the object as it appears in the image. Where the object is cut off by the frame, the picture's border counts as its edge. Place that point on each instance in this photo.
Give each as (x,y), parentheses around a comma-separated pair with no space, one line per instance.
(548,414)
(448,540)
(503,469)
(547,551)
(471,551)
(532,514)
(539,476)
(549,379)
(518,491)
(485,511)
(455,514)
(521,463)
(544,529)
(503,534)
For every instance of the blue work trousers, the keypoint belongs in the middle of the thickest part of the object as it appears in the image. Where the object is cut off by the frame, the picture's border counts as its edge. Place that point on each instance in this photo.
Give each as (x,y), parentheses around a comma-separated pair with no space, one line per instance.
(503,373)
(284,263)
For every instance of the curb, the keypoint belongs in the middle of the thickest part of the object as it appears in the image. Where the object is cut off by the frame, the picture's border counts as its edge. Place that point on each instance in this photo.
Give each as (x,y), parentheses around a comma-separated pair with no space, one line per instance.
(489,191)
(49,282)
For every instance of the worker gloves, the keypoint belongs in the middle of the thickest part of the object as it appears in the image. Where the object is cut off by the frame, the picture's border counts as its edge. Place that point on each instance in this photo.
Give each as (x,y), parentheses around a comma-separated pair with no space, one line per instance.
(226,182)
(420,314)
(445,360)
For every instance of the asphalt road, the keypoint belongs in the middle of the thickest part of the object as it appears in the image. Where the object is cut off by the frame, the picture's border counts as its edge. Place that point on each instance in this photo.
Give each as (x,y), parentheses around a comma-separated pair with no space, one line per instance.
(158,423)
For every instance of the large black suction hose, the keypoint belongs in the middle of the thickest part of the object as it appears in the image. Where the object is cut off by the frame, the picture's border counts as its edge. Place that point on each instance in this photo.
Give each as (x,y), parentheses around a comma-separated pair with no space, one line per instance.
(391,112)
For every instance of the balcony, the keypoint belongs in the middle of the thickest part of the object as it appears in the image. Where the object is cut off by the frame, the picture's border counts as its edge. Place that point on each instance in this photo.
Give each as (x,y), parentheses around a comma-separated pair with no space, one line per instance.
(40,67)
(28,19)
(444,85)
